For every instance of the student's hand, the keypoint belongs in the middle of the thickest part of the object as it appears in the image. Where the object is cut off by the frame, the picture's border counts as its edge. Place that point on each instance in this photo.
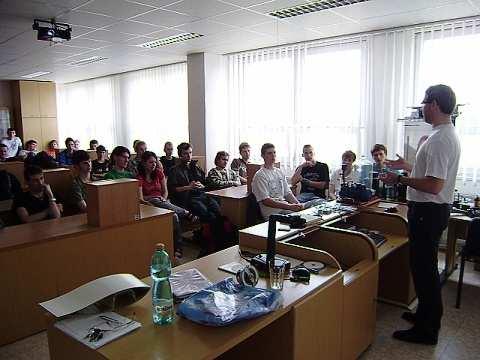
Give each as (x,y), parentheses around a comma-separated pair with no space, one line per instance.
(296,207)
(192,185)
(199,185)
(388,177)
(399,164)
(48,191)
(60,207)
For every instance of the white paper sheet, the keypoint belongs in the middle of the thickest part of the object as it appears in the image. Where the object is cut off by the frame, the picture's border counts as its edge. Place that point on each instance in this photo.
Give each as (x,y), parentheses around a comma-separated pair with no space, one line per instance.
(78,327)
(94,291)
(385,205)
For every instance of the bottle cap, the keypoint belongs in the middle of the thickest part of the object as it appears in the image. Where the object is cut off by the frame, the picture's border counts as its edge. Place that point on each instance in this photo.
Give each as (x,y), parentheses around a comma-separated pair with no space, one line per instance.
(160,246)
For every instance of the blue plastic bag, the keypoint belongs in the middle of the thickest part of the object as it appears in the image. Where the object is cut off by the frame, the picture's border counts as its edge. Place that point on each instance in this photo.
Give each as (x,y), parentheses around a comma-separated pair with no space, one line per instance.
(226,302)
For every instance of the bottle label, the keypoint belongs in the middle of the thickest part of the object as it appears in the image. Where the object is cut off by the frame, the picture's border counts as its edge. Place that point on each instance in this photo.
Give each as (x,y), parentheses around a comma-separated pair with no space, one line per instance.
(164,310)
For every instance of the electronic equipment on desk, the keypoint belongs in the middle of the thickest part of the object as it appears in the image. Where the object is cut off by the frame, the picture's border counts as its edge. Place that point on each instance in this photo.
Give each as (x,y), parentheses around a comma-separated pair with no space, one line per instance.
(329,210)
(356,193)
(261,261)
(377,237)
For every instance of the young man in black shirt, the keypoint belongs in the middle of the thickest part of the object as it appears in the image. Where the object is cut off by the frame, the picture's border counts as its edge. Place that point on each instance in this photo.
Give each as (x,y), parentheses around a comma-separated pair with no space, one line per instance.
(313,175)
(186,186)
(168,161)
(38,203)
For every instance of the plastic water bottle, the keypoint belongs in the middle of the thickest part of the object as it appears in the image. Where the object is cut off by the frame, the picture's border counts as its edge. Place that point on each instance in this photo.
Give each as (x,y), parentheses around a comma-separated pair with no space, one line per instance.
(162,299)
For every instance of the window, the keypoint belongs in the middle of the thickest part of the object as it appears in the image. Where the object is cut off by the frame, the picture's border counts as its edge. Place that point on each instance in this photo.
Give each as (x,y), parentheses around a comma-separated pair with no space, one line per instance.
(452,59)
(151,105)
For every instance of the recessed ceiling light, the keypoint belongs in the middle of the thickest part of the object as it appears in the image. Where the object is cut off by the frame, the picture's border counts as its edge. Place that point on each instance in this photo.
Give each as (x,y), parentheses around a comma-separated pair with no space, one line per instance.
(312,6)
(89,60)
(35,74)
(170,40)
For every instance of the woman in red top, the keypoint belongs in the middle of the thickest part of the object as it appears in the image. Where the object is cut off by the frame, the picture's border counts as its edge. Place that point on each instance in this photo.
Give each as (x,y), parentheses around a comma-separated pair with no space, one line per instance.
(154,191)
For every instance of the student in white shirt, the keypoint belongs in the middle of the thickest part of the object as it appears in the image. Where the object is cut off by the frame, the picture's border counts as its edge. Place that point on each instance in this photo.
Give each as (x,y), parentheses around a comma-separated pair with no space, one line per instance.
(347,172)
(13,143)
(270,187)
(431,186)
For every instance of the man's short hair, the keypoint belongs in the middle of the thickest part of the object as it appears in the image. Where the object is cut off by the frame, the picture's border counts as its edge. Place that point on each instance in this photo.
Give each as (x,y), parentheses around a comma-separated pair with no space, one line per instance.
(67,140)
(138,143)
(349,154)
(100,148)
(30,142)
(182,147)
(306,146)
(265,147)
(11,129)
(93,142)
(167,143)
(443,95)
(221,154)
(242,146)
(119,150)
(80,156)
(31,171)
(378,147)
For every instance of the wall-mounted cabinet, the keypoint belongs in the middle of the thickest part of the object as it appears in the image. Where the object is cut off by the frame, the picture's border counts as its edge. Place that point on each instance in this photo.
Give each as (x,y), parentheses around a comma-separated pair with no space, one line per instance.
(35,109)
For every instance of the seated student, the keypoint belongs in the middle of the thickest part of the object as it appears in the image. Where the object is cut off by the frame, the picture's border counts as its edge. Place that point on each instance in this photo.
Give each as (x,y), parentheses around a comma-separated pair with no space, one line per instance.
(346,173)
(65,156)
(9,185)
(379,155)
(29,152)
(140,147)
(76,144)
(78,193)
(154,191)
(313,175)
(168,160)
(38,203)
(100,164)
(187,189)
(221,177)
(52,148)
(118,164)
(12,142)
(3,152)
(270,187)
(93,145)
(240,164)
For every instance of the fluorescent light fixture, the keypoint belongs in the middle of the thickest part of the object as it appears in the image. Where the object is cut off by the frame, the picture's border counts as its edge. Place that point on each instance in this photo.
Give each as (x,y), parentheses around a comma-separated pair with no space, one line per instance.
(89,60)
(170,40)
(312,6)
(35,74)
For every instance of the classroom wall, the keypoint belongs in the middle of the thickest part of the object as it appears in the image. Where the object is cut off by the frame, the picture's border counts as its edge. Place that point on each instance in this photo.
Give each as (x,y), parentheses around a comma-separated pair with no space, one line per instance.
(6,94)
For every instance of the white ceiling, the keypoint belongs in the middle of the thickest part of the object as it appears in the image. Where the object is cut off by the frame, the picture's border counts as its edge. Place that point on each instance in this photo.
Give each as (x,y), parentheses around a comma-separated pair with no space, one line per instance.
(114,28)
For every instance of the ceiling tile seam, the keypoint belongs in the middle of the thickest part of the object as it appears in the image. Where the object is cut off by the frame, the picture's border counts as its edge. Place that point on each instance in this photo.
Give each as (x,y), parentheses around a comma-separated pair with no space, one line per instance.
(156,7)
(344,16)
(474,6)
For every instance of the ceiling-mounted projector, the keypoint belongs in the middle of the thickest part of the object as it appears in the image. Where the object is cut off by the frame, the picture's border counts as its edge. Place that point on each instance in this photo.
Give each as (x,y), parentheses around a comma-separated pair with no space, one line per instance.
(52,31)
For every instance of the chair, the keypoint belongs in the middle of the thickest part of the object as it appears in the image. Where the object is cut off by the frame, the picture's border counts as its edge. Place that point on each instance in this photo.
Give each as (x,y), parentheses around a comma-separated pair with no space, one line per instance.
(469,252)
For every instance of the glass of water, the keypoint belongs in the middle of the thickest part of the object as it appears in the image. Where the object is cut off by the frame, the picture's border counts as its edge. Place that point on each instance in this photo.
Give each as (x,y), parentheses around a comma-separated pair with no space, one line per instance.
(277,273)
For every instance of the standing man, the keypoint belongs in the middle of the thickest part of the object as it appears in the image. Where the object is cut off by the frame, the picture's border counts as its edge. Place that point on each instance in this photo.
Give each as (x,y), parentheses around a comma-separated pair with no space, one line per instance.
(313,175)
(13,143)
(430,194)
(240,164)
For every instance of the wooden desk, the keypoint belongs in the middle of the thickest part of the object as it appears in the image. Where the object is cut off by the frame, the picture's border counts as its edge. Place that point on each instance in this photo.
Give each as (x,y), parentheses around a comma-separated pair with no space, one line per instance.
(305,327)
(60,180)
(233,203)
(43,260)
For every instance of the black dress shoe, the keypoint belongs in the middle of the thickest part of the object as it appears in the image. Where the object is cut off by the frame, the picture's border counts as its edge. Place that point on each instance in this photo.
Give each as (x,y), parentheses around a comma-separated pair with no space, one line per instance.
(410,317)
(417,336)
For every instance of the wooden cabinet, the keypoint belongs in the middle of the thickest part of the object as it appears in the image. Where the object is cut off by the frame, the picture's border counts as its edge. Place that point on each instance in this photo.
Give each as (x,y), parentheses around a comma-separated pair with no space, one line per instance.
(35,111)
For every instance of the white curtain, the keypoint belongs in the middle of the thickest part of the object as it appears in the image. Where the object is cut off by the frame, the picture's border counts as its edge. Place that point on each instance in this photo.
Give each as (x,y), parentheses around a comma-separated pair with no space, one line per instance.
(337,95)
(151,105)
(449,54)
(296,95)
